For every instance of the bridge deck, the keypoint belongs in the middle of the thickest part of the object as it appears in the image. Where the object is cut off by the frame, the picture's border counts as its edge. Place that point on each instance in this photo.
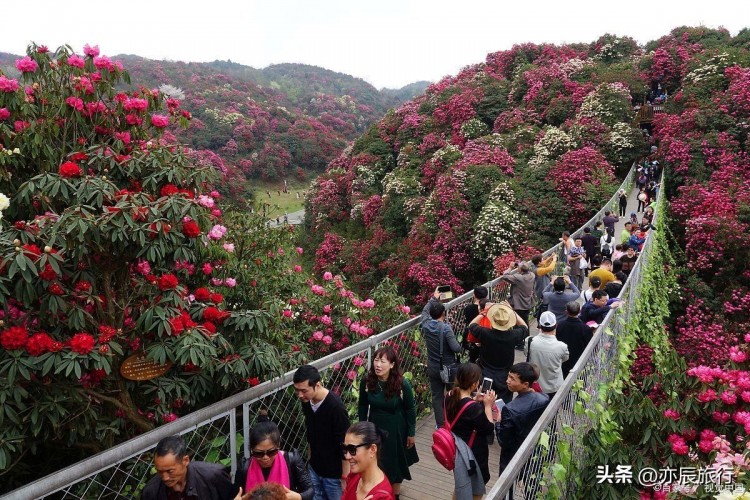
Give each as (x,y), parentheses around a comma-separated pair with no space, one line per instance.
(430,480)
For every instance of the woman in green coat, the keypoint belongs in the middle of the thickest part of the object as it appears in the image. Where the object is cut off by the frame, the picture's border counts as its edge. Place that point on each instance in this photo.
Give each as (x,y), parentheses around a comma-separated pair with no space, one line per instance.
(387,400)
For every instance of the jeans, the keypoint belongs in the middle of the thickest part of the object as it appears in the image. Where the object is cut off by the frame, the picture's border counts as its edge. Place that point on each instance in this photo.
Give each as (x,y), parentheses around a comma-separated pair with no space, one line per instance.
(326,488)
(438,389)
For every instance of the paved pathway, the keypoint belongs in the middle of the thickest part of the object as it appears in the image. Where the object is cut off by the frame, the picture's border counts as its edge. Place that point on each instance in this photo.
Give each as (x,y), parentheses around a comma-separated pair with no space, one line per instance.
(430,480)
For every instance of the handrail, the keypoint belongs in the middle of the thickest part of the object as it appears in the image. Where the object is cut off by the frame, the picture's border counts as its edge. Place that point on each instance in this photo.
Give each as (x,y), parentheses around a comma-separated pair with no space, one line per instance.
(138,445)
(515,467)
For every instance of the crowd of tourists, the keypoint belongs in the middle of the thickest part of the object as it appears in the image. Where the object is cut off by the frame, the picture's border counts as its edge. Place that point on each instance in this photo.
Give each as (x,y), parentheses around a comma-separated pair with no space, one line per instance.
(489,396)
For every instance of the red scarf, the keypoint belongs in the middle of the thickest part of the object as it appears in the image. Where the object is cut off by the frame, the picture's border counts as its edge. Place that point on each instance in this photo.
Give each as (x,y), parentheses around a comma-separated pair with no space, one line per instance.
(279,473)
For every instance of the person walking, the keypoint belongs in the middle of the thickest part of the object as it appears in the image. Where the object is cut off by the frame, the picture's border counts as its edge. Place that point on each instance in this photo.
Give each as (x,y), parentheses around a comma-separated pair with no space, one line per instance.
(386,399)
(442,347)
(622,198)
(326,421)
(575,334)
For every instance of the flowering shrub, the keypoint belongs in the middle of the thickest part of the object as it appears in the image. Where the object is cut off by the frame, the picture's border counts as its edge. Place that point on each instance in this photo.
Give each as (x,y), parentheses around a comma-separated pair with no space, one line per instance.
(105,227)
(499,228)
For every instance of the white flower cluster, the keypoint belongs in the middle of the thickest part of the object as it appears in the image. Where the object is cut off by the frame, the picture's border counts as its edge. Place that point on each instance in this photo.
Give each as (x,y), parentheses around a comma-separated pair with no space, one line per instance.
(4,204)
(366,177)
(497,231)
(447,154)
(713,67)
(502,193)
(221,117)
(393,184)
(356,211)
(413,207)
(573,66)
(10,152)
(172,91)
(555,143)
(473,128)
(495,140)
(611,51)
(347,102)
(621,136)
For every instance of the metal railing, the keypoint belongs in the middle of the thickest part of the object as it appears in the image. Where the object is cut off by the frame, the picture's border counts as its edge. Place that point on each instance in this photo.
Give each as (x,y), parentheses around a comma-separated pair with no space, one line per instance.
(121,472)
(563,425)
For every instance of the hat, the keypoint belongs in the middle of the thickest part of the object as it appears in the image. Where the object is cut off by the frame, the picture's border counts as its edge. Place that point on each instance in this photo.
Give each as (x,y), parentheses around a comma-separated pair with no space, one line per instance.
(547,319)
(633,213)
(501,317)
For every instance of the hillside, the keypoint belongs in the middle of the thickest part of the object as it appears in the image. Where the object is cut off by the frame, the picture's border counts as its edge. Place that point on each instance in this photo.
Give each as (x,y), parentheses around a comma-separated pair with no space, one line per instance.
(283,121)
(509,152)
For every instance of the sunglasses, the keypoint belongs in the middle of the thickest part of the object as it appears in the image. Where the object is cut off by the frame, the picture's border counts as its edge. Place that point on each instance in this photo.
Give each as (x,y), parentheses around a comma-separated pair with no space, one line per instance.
(351,449)
(262,453)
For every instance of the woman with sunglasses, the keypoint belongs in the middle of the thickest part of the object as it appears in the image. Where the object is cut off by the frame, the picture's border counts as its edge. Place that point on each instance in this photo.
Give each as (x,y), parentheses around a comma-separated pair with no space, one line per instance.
(387,400)
(365,481)
(270,464)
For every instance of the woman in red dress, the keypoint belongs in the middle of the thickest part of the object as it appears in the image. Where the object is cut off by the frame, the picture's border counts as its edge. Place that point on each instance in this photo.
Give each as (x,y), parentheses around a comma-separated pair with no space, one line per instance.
(365,481)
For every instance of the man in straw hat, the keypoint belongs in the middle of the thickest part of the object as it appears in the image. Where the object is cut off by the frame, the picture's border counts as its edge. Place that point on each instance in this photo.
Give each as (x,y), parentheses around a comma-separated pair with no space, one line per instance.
(497,344)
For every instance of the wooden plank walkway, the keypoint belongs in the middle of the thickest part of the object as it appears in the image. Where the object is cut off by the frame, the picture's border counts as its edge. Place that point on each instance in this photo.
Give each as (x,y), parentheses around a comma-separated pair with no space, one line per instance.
(430,481)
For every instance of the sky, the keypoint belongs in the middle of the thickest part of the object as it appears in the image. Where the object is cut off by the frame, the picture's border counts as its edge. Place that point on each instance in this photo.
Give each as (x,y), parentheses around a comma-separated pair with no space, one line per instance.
(389,43)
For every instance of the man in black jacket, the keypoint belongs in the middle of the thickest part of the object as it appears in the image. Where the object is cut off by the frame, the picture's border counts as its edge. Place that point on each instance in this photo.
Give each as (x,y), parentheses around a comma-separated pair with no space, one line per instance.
(326,421)
(575,333)
(519,416)
(179,478)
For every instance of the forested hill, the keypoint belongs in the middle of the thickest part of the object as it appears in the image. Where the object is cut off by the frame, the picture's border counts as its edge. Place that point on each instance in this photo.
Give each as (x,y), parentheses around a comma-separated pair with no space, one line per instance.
(496,159)
(273,123)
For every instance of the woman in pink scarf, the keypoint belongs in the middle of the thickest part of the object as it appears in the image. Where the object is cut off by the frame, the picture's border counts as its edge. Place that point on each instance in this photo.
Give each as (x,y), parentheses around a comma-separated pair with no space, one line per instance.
(270,464)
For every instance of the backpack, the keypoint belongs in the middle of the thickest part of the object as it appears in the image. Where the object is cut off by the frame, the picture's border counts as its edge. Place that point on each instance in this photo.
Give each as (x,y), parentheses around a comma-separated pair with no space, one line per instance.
(443,442)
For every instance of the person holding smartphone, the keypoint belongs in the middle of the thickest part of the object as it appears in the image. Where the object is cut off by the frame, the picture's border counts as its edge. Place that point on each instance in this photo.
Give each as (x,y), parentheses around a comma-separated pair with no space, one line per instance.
(476,422)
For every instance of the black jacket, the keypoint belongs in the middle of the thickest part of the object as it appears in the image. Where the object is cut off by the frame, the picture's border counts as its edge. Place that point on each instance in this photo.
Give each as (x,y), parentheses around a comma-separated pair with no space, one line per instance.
(577,336)
(205,481)
(299,479)
(516,421)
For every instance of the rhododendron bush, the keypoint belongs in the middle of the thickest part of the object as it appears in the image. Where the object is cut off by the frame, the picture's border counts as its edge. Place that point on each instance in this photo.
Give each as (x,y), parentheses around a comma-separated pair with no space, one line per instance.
(110,237)
(688,375)
(552,123)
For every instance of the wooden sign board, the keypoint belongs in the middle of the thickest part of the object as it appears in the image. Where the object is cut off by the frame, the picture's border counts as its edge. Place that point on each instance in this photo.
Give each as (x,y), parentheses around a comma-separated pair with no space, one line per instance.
(139,368)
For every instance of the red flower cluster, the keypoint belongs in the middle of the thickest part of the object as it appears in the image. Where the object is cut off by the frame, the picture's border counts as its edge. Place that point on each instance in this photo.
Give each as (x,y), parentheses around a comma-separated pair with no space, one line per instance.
(202,294)
(39,343)
(70,170)
(82,343)
(48,274)
(169,190)
(106,333)
(191,229)
(214,315)
(180,323)
(168,282)
(14,337)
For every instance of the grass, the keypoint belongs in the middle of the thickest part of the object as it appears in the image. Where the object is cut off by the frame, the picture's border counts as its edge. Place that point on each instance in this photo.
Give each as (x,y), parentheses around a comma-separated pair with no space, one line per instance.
(280,203)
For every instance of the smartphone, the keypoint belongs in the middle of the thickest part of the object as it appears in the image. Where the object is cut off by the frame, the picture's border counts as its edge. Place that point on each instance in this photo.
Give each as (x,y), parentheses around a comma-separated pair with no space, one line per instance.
(486,385)
(445,292)
(500,404)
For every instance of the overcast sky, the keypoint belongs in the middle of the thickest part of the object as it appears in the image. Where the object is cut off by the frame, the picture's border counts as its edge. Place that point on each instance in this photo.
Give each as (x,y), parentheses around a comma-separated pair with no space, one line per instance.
(389,43)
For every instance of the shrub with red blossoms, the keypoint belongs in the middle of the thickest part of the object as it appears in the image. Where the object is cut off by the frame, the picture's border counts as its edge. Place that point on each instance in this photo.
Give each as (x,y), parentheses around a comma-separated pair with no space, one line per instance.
(88,259)
(70,170)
